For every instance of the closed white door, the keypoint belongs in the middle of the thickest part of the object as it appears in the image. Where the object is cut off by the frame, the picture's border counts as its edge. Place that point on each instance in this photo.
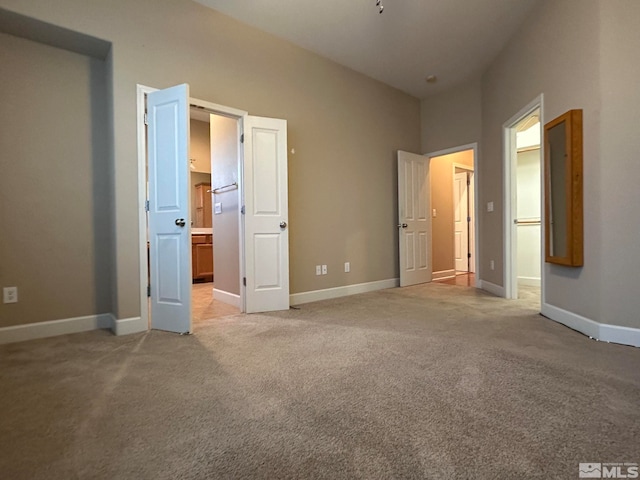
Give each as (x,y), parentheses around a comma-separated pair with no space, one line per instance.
(266,215)
(414,225)
(461,222)
(169,218)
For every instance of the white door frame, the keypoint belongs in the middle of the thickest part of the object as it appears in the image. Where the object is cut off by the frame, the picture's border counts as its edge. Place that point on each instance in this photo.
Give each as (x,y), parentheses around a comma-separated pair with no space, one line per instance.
(470,191)
(141,93)
(509,154)
(476,237)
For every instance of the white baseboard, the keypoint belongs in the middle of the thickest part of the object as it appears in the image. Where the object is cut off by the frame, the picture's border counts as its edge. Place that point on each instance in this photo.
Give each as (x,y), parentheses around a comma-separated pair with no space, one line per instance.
(125,326)
(443,274)
(336,292)
(226,297)
(599,331)
(619,334)
(497,290)
(53,328)
(529,281)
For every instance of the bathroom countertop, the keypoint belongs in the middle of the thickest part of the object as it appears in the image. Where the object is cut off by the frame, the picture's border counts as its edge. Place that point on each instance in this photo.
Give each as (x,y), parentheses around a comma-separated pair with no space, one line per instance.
(202,231)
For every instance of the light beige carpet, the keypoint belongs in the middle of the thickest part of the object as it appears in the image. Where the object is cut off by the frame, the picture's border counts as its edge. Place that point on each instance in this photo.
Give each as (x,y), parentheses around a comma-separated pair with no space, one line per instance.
(432,381)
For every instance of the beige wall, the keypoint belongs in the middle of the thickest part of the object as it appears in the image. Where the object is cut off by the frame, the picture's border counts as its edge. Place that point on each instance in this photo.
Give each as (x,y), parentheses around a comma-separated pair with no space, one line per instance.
(578,54)
(441,170)
(568,76)
(344,127)
(54,183)
(452,118)
(617,169)
(200,146)
(226,236)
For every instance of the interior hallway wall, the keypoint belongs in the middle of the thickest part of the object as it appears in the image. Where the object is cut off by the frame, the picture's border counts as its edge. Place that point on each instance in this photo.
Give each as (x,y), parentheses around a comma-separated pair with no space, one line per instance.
(55,244)
(226,225)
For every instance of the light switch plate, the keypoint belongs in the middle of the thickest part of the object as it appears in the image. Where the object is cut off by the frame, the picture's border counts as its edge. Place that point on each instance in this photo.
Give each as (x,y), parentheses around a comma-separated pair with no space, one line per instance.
(489,206)
(217,208)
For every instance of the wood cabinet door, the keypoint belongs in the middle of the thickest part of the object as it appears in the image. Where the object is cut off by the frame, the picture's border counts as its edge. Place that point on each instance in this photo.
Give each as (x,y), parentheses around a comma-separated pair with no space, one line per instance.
(204,262)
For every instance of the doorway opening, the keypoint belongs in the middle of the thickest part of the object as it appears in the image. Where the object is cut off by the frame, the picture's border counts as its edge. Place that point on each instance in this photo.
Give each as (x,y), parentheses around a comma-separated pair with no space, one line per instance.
(453,216)
(214,168)
(259,168)
(201,300)
(463,218)
(523,205)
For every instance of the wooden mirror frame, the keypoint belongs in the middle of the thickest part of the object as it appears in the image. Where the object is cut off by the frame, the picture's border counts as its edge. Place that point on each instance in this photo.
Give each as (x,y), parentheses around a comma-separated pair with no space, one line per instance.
(568,249)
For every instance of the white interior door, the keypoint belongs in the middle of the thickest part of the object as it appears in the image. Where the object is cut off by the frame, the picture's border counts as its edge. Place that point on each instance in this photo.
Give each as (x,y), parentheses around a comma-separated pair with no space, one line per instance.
(461,221)
(266,215)
(472,223)
(169,218)
(414,227)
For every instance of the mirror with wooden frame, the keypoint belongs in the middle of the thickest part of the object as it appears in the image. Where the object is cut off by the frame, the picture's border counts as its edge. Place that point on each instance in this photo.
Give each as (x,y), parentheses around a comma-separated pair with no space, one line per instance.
(563,190)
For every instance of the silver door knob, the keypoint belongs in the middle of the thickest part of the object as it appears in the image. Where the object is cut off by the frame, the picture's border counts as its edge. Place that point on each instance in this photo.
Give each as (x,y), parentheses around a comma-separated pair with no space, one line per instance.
(180,222)
(283,224)
(404,225)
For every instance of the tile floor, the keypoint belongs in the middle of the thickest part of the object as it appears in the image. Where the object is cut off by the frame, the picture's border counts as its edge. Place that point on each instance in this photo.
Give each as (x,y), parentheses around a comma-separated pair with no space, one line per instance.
(205,307)
(462,280)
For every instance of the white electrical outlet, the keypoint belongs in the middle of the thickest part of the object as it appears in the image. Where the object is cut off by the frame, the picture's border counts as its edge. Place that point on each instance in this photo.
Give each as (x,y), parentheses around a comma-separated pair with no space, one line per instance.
(347,267)
(324,269)
(10,295)
(492,265)
(318,270)
(489,206)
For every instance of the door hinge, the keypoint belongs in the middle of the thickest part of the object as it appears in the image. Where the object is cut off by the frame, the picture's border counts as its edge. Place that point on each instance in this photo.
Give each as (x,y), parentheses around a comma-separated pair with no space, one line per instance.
(244,281)
(148,290)
(242,138)
(146,205)
(468,180)
(146,118)
(242,210)
(468,255)
(468,219)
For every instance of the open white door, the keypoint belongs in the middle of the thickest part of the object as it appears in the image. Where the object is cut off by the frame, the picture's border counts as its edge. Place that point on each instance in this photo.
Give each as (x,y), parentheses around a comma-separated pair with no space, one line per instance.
(414,226)
(266,215)
(461,219)
(169,217)
(472,223)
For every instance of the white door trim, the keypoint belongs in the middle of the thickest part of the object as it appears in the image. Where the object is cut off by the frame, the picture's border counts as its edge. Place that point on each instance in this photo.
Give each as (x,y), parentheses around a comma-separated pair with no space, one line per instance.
(476,179)
(141,93)
(510,278)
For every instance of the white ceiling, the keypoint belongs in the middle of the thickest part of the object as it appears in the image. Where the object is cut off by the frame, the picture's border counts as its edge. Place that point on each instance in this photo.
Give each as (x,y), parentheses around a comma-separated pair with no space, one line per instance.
(453,39)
